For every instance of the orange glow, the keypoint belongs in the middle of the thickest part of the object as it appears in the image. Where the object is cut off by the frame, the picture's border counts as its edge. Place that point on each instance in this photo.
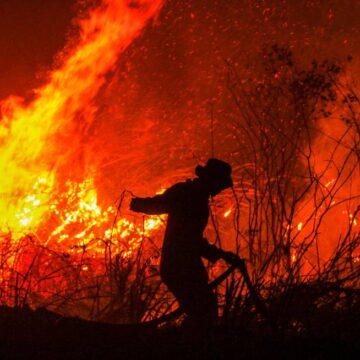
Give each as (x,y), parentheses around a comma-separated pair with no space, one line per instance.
(50,197)
(82,223)
(353,220)
(161,191)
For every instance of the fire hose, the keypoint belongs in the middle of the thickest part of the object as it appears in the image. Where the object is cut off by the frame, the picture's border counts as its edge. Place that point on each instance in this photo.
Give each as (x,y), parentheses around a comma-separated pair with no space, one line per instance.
(235,262)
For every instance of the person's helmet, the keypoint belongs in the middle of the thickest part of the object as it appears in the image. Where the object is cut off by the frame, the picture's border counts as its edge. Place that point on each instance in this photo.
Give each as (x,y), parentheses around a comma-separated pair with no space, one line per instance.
(216,173)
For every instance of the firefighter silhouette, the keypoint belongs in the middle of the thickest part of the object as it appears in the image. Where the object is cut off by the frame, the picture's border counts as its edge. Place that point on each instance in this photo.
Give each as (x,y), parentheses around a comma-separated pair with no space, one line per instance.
(181,267)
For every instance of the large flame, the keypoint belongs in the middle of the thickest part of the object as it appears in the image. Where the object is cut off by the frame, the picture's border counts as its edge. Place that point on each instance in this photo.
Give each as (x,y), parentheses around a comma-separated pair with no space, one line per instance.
(32,136)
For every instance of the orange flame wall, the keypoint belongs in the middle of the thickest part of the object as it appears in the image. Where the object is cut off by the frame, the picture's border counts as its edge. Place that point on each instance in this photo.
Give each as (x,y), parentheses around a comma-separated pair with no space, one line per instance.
(38,139)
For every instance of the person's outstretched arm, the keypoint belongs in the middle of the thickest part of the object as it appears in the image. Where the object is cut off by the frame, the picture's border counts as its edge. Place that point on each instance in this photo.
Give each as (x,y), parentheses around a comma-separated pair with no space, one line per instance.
(158,204)
(151,205)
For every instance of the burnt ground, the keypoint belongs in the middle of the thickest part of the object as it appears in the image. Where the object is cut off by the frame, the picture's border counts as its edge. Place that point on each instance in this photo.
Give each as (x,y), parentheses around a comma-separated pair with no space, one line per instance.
(27,334)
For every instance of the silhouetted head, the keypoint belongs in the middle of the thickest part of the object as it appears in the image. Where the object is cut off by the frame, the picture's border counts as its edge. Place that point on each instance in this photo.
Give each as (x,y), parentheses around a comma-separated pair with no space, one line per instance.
(216,174)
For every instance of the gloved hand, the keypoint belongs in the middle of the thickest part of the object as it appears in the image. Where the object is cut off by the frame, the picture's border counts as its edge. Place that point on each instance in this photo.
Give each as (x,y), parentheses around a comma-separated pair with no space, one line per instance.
(210,252)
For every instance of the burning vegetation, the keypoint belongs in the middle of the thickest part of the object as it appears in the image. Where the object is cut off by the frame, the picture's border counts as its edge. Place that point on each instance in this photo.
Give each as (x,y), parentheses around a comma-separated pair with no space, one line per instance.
(292,133)
(50,223)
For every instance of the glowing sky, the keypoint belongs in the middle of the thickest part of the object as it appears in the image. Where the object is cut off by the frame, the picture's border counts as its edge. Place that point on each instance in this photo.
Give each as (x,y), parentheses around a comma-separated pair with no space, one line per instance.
(32,31)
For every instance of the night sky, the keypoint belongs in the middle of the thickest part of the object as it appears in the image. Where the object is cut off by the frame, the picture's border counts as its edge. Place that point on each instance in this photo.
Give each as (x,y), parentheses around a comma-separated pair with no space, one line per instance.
(31,33)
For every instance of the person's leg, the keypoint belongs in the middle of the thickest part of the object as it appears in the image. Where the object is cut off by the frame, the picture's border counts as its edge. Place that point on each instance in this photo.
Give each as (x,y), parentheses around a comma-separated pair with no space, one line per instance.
(194,295)
(200,304)
(201,313)
(190,286)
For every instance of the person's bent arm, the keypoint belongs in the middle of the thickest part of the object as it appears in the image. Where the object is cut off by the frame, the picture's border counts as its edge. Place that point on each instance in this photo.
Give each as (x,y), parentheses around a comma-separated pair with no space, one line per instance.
(151,205)
(158,204)
(210,252)
(213,254)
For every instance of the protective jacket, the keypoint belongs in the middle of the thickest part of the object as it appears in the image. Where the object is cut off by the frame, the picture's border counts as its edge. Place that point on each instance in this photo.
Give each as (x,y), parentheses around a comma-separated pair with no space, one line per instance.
(186,204)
